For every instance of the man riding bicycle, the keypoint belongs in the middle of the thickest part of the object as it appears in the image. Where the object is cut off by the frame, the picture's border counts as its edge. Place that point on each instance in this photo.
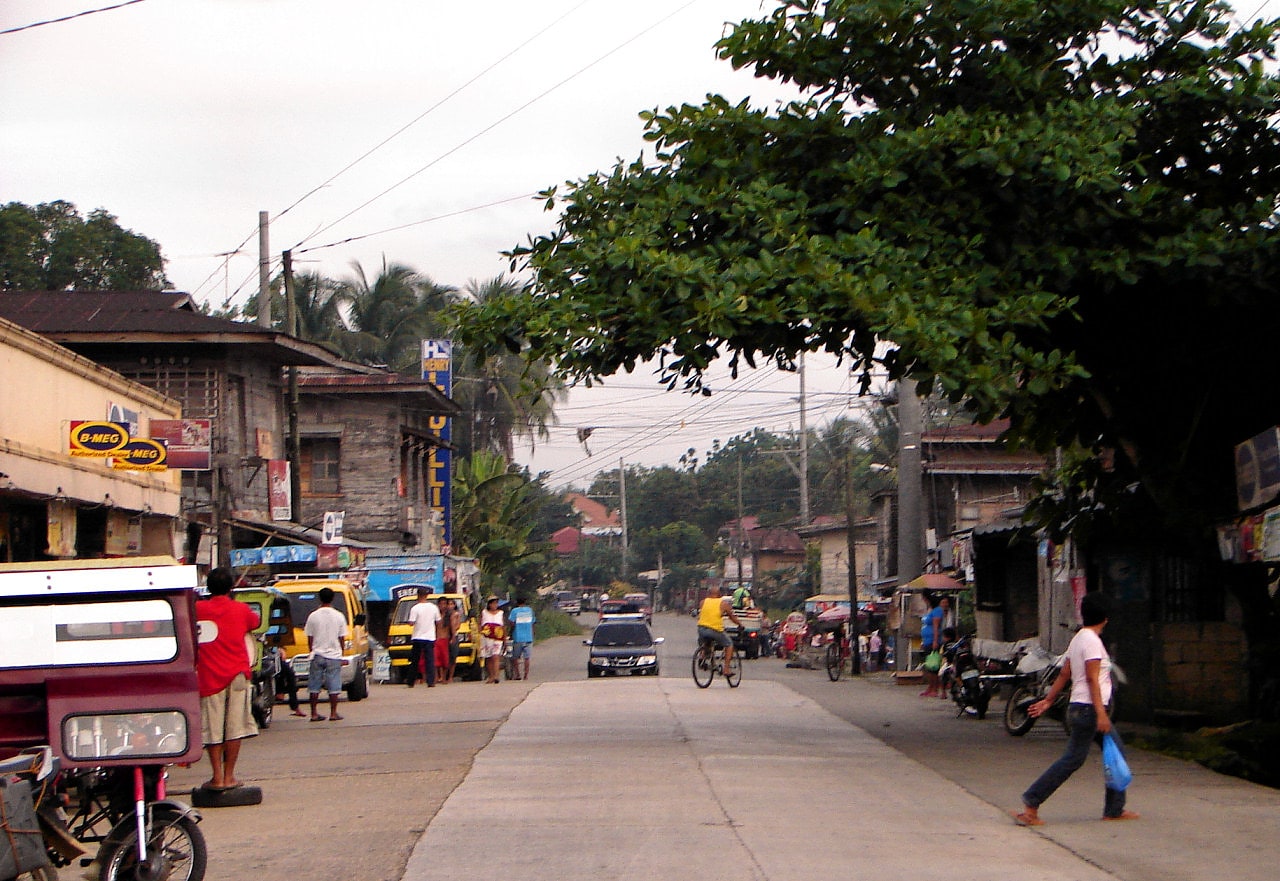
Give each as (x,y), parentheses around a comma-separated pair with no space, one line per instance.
(711,623)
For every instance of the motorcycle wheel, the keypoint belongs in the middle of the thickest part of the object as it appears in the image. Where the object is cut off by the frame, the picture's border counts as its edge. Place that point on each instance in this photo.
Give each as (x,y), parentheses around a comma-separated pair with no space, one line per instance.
(263,702)
(172,838)
(1017,721)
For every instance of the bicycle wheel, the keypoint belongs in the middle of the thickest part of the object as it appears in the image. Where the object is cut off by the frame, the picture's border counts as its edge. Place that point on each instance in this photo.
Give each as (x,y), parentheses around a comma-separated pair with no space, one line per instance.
(735,671)
(835,663)
(703,667)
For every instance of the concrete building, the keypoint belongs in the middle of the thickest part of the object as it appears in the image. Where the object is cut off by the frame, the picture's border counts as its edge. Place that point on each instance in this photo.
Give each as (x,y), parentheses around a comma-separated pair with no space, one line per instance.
(54,505)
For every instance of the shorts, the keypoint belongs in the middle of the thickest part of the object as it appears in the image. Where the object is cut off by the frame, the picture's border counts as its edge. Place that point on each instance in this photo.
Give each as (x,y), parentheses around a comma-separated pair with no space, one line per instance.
(324,673)
(719,637)
(454,645)
(441,650)
(521,651)
(490,648)
(228,715)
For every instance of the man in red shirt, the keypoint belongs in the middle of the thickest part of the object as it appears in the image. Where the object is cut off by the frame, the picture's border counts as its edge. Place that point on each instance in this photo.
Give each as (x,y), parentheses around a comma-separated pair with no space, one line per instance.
(224,671)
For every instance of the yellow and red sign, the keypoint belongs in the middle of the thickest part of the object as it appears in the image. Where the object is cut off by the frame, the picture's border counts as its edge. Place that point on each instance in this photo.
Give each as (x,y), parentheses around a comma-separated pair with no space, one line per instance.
(141,454)
(97,440)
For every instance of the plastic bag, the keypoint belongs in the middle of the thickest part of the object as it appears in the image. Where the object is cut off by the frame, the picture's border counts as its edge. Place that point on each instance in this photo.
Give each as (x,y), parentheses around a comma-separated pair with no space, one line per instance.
(933,662)
(1114,767)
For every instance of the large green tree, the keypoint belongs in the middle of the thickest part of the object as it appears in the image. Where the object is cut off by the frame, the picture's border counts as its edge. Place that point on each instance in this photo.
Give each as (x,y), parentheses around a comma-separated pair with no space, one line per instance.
(50,247)
(1064,215)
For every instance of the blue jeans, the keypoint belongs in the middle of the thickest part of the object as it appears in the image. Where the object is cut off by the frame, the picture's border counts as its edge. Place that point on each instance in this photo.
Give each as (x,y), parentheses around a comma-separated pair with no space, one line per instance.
(1083,721)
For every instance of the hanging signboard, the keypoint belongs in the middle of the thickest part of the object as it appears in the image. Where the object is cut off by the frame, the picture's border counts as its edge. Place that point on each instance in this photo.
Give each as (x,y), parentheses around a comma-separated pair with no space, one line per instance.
(242,557)
(96,440)
(279,497)
(140,454)
(189,442)
(1258,469)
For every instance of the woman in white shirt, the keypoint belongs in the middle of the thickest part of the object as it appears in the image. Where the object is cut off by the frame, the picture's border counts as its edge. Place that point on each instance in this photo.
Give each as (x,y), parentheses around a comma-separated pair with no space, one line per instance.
(1088,670)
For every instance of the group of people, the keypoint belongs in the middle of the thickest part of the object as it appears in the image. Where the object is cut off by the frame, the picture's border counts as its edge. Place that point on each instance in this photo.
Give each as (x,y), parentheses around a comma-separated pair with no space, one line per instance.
(434,648)
(436,624)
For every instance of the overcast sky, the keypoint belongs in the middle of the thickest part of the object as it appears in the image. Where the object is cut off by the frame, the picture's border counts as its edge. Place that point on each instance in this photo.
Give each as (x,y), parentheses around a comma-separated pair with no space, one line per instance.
(345,120)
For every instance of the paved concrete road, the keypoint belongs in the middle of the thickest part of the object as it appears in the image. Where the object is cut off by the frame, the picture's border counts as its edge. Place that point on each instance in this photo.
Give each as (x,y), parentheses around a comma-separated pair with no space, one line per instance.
(788,777)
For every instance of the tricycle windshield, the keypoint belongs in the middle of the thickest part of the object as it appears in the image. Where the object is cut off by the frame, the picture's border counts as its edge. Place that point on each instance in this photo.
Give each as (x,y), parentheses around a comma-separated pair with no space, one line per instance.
(89,631)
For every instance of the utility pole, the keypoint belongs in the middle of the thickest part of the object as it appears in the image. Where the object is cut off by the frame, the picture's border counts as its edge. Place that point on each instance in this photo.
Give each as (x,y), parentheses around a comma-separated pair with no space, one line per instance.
(740,537)
(910,534)
(804,453)
(291,405)
(622,500)
(264,271)
(851,542)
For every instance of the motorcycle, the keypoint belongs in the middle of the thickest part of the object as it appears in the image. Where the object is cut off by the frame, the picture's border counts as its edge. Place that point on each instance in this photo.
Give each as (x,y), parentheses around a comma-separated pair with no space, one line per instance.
(1039,669)
(962,679)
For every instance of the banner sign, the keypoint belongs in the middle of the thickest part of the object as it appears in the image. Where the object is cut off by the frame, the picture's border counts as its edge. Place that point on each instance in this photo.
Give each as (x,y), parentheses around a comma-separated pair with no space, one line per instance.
(242,557)
(189,442)
(279,497)
(437,369)
(96,440)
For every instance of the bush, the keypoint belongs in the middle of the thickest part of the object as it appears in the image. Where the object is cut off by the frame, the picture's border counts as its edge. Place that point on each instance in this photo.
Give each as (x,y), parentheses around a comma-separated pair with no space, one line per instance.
(552,622)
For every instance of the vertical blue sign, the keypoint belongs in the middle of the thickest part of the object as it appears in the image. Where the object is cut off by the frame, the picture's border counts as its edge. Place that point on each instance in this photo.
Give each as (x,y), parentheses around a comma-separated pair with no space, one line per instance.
(437,369)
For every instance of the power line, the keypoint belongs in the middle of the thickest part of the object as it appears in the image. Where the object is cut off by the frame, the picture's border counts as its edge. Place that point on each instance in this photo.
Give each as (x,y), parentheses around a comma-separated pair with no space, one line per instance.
(520,109)
(38,24)
(424,114)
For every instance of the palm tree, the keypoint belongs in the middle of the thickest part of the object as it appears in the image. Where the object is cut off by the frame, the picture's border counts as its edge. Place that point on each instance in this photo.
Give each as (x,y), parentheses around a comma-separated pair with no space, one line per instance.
(507,396)
(390,316)
(494,514)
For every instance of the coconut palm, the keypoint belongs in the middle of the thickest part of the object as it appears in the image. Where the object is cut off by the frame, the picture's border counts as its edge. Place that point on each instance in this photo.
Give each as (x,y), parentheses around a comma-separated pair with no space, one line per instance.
(506,396)
(390,315)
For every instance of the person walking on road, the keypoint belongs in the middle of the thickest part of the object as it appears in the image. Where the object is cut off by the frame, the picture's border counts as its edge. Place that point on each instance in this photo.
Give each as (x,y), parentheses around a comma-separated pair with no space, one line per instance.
(223,674)
(424,616)
(326,628)
(522,619)
(1087,669)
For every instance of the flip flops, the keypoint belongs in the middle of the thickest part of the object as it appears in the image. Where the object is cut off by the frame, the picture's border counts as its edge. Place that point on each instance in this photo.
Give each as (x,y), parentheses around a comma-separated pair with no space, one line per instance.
(1022,818)
(318,718)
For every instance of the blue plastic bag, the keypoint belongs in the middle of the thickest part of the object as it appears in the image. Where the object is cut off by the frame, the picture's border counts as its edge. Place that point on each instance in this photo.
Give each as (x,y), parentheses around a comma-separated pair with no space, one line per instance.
(1114,767)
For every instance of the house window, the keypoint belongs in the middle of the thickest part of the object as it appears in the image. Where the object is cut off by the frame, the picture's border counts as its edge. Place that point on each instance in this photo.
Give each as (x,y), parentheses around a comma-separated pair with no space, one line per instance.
(319,465)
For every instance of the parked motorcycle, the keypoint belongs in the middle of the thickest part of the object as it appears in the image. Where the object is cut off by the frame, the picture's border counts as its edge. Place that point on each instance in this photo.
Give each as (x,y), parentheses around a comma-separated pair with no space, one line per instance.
(962,678)
(1040,669)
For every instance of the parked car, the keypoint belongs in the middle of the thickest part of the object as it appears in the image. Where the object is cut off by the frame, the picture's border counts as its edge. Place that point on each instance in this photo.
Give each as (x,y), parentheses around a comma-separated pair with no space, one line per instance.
(622,646)
(400,634)
(357,658)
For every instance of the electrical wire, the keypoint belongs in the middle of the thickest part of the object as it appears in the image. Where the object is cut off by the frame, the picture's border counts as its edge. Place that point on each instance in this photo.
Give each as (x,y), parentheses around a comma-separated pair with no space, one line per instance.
(38,24)
(520,109)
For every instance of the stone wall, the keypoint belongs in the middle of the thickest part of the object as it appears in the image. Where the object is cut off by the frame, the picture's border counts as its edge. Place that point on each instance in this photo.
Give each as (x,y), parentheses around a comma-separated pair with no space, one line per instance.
(1199,669)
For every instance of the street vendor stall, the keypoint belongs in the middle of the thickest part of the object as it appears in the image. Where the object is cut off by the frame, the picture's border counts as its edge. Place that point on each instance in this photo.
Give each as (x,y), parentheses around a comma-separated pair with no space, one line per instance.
(911,602)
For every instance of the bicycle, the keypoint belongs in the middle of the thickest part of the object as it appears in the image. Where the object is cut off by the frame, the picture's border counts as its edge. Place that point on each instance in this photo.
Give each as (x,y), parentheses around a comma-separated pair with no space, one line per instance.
(708,662)
(838,656)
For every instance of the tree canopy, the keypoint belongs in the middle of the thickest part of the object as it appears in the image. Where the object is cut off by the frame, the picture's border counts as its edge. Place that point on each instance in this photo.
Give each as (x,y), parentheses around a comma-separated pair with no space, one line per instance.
(50,247)
(1062,215)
